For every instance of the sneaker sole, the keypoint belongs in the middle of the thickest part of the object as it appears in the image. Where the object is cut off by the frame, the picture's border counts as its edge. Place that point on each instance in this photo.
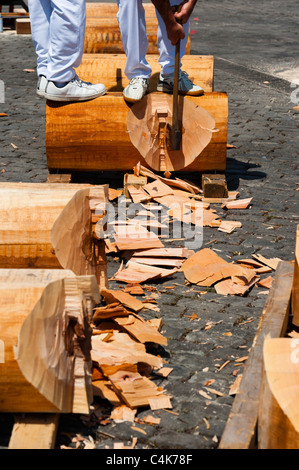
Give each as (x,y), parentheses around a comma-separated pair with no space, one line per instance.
(188,93)
(132,100)
(72,98)
(40,93)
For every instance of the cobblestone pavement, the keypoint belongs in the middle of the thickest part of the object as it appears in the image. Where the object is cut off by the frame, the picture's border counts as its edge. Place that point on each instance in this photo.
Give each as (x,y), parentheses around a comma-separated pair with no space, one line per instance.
(254,48)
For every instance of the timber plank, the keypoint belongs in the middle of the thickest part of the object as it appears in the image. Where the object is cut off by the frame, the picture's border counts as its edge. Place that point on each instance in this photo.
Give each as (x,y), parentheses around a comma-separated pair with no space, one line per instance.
(241,427)
(85,136)
(110,69)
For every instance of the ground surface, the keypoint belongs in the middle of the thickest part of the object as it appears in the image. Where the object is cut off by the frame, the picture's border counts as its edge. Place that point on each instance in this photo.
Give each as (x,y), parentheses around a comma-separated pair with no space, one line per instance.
(254,45)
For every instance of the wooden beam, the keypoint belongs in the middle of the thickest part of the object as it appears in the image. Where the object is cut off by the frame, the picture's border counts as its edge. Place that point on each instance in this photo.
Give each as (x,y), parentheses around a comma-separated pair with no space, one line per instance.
(109,69)
(106,144)
(43,223)
(241,428)
(45,367)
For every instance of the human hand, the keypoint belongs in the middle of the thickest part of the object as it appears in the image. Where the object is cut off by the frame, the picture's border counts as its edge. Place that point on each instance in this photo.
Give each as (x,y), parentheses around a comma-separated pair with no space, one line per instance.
(175,32)
(183,11)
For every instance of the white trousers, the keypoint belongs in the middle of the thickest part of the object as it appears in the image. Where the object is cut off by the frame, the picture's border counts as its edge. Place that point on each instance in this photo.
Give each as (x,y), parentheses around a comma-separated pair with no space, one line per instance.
(131,19)
(58,28)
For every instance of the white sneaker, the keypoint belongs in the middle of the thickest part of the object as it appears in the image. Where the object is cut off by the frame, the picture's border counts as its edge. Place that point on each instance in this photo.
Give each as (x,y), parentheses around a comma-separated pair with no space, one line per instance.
(41,85)
(136,89)
(75,90)
(186,86)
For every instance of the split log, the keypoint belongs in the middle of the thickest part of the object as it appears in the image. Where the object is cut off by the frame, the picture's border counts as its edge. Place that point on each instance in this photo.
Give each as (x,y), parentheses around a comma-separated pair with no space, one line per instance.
(278,423)
(51,226)
(103,123)
(149,126)
(44,329)
(109,69)
(102,33)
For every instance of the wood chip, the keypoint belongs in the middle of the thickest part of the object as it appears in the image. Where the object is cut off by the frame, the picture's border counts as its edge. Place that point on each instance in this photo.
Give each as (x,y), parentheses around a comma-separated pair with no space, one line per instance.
(271,262)
(124,298)
(238,204)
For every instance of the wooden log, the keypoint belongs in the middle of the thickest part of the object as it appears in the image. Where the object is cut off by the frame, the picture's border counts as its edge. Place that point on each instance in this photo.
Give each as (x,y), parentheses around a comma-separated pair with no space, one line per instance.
(109,69)
(295,289)
(44,328)
(241,428)
(106,144)
(50,226)
(278,421)
(102,33)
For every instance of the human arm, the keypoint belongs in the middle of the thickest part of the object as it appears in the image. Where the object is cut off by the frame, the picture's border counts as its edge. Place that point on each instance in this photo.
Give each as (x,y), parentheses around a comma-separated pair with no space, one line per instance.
(183,15)
(175,30)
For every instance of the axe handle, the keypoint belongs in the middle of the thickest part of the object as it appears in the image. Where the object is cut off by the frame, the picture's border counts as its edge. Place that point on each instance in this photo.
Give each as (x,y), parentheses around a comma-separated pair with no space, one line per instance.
(175,108)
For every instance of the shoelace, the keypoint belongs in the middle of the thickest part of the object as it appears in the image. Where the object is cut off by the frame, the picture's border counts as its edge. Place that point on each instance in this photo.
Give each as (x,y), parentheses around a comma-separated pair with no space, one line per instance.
(137,80)
(80,82)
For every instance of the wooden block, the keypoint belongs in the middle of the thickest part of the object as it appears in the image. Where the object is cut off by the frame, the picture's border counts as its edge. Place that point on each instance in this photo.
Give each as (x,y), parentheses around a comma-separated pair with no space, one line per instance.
(106,144)
(59,178)
(34,431)
(109,69)
(23,26)
(133,180)
(214,186)
(241,428)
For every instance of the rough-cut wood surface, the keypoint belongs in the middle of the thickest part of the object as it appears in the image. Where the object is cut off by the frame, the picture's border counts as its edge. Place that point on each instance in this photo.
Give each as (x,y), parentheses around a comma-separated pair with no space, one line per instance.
(109,69)
(149,126)
(42,314)
(31,211)
(241,428)
(93,136)
(278,421)
(34,431)
(102,33)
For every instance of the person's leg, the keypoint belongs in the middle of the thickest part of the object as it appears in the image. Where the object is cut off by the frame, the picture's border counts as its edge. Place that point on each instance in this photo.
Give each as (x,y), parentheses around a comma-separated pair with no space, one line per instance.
(131,19)
(67,29)
(166,49)
(167,60)
(40,12)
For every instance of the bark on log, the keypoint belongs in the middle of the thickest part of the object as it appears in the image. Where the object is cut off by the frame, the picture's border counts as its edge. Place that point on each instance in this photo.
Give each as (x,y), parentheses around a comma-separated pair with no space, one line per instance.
(50,226)
(46,338)
(106,144)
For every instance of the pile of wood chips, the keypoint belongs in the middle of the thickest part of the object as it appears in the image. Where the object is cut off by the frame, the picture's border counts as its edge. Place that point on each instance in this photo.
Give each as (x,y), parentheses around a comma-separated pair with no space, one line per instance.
(122,365)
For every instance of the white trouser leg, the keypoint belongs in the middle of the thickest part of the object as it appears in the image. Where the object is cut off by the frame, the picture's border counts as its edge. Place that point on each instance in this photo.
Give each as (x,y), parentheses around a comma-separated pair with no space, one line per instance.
(40,12)
(166,49)
(64,21)
(131,19)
